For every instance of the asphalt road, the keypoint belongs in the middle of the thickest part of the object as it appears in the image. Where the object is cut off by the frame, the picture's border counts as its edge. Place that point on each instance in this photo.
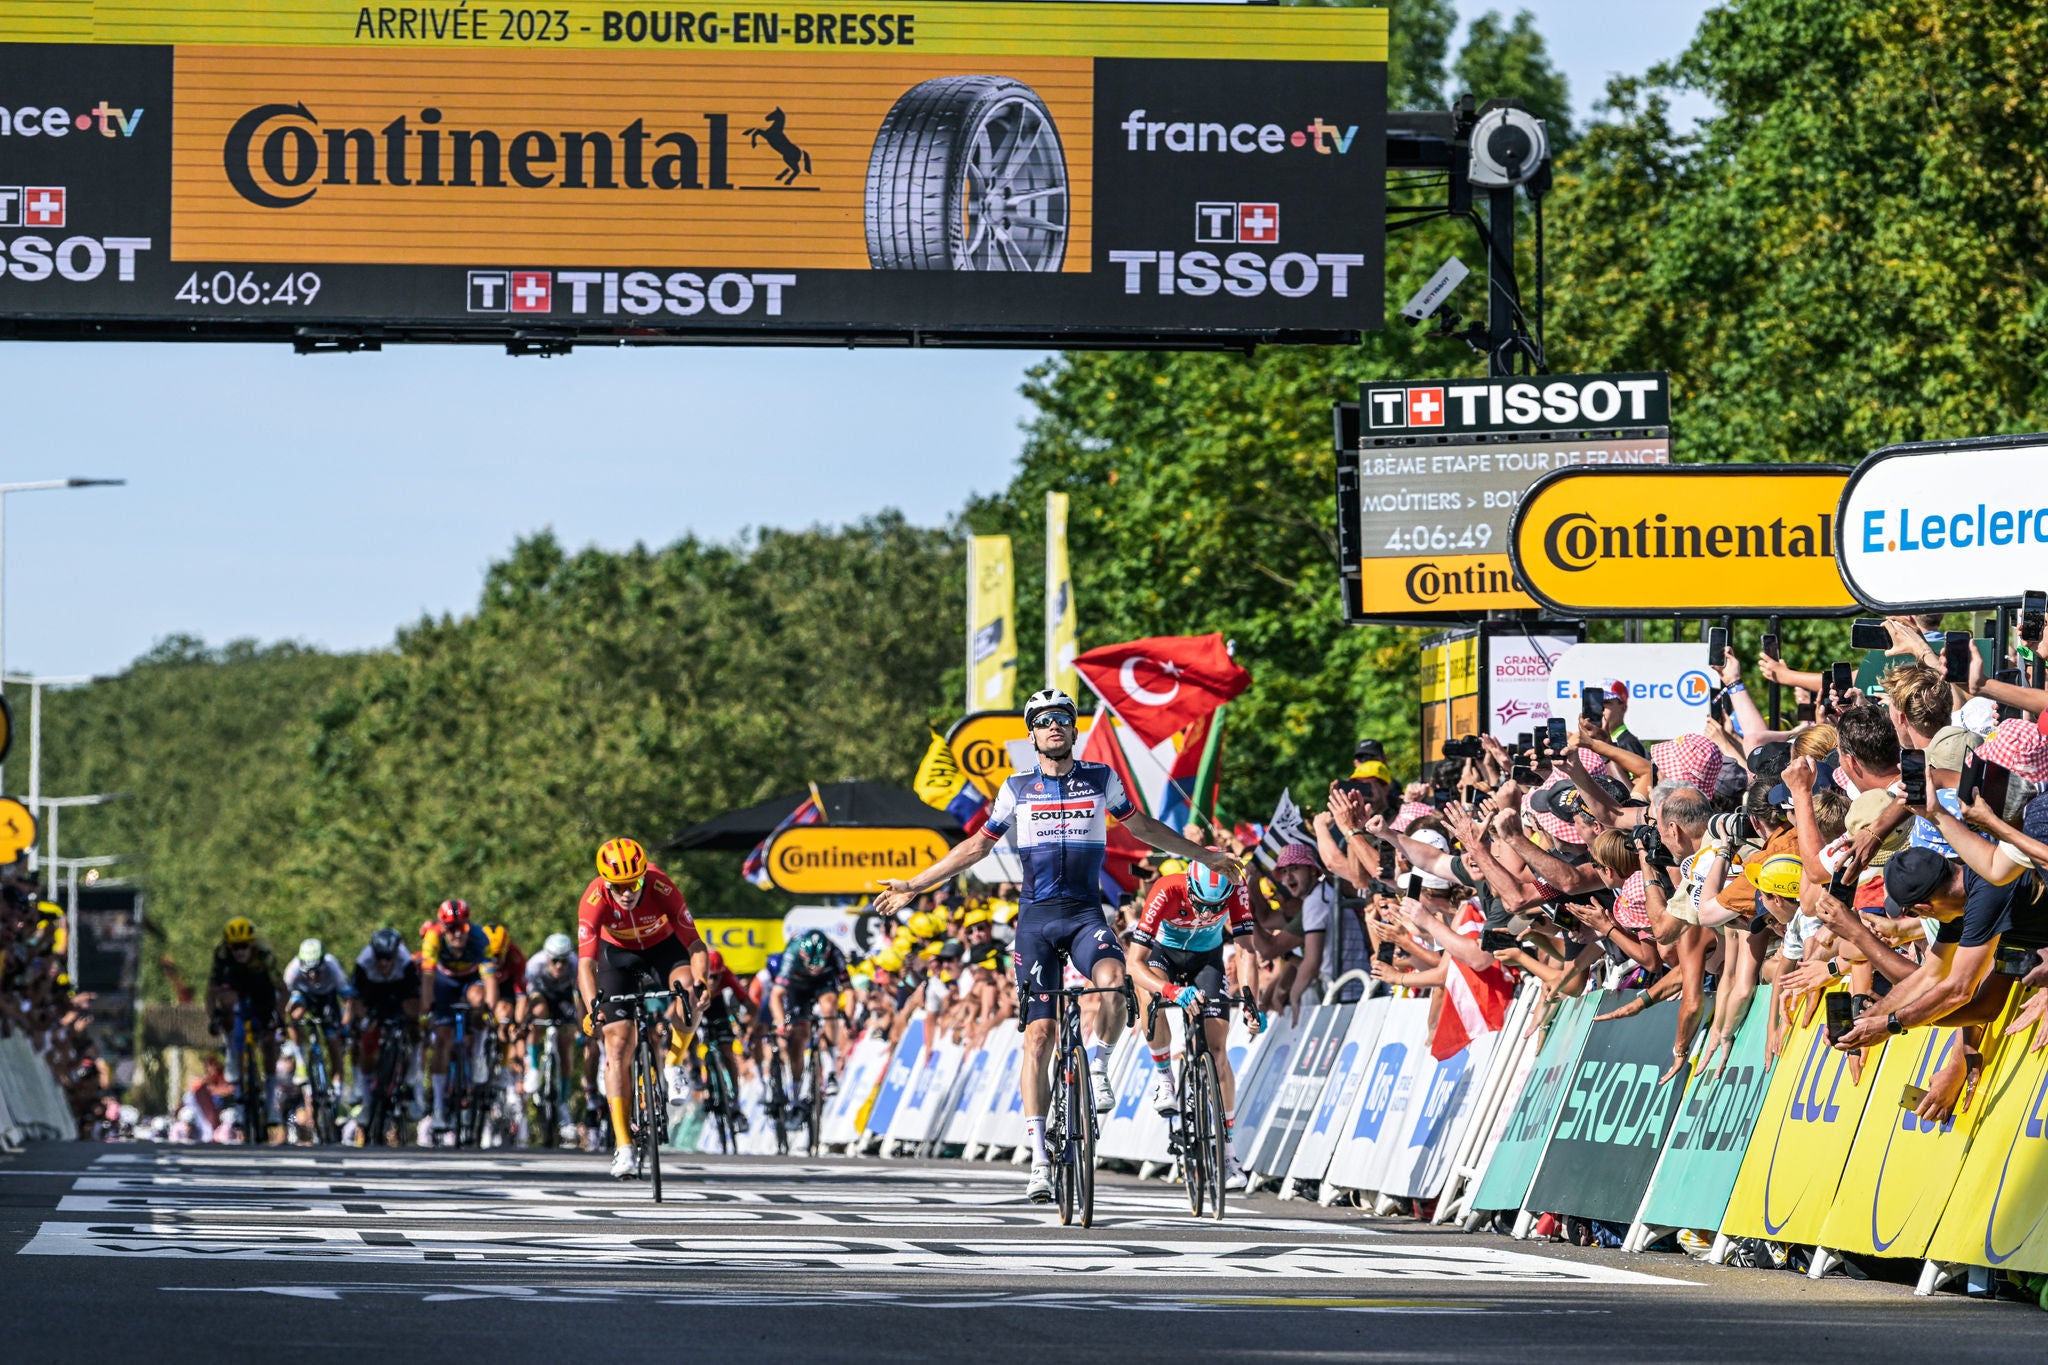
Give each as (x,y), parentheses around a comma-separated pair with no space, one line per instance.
(141,1252)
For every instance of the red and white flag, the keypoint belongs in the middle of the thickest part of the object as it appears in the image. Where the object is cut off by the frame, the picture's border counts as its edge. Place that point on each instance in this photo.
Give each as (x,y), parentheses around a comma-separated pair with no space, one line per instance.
(1123,848)
(1475,1004)
(1165,683)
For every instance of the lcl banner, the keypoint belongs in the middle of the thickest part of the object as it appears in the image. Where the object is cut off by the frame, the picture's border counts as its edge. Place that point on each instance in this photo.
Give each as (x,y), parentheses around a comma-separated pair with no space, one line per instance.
(977,168)
(1705,540)
(1946,525)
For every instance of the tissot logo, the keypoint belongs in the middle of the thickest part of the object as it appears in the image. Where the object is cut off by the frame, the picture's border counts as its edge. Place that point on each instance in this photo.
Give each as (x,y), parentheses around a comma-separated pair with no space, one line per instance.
(280,155)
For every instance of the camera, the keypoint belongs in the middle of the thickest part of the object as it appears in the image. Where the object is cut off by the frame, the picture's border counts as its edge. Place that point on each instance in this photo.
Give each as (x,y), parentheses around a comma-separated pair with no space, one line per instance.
(1650,844)
(1467,747)
(1430,299)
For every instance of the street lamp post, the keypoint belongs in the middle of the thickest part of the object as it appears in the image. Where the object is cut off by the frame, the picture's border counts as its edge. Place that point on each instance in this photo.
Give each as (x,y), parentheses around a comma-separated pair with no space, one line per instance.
(34,486)
(35,685)
(55,806)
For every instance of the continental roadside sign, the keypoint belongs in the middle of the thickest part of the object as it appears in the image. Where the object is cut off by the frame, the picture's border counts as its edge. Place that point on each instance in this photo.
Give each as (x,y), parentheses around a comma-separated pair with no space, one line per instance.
(849,860)
(1701,540)
(999,171)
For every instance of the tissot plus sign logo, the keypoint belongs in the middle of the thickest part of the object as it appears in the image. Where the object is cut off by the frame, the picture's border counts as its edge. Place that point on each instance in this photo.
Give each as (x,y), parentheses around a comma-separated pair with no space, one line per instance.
(32,206)
(1230,222)
(1142,134)
(511,291)
(637,293)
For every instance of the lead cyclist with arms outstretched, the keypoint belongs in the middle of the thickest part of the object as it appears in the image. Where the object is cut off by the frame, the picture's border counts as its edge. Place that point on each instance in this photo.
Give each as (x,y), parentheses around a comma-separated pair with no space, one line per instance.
(1061,815)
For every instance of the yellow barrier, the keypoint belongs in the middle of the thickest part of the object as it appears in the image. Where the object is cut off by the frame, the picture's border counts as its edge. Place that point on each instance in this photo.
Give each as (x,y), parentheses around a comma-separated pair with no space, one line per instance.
(1998,1213)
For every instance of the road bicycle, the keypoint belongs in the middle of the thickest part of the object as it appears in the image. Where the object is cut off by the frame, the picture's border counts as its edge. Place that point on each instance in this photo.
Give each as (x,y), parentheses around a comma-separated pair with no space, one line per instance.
(550,1103)
(467,1097)
(387,1081)
(1070,1128)
(323,1083)
(721,1096)
(647,1120)
(1197,1134)
(245,1051)
(809,1111)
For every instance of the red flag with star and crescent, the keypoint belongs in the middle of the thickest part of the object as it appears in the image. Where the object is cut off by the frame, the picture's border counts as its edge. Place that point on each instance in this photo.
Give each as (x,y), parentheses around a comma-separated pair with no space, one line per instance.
(1161,685)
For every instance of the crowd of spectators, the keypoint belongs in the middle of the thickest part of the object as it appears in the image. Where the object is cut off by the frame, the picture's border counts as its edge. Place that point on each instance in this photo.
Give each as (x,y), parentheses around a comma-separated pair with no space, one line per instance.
(36,1000)
(1894,841)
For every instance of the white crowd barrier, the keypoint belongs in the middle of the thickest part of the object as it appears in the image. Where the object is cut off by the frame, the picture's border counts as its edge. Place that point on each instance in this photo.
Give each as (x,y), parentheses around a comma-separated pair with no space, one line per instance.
(31,1103)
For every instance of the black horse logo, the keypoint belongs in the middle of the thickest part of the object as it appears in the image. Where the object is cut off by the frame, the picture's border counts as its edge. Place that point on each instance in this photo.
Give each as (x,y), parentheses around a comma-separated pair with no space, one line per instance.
(795,160)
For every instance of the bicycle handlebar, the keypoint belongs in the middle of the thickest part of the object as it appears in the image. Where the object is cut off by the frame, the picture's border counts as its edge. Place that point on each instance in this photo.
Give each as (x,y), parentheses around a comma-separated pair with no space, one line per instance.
(644,998)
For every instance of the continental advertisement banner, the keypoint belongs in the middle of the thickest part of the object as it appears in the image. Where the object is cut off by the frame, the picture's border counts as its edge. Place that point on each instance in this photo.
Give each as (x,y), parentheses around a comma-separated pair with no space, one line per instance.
(991,170)
(1701,539)
(849,860)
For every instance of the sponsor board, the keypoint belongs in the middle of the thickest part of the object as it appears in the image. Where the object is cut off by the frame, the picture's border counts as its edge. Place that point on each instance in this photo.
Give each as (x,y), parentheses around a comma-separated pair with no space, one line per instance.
(848,860)
(1711,1133)
(1802,1138)
(1321,1042)
(1373,1126)
(744,943)
(1997,1214)
(1946,524)
(1515,682)
(984,171)
(1519,1149)
(1436,1120)
(981,743)
(1669,686)
(1688,539)
(1612,1117)
(1325,1128)
(1441,465)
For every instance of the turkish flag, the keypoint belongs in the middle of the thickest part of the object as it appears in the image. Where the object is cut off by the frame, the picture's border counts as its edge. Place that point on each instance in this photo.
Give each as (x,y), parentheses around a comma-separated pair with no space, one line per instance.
(1165,683)
(1124,847)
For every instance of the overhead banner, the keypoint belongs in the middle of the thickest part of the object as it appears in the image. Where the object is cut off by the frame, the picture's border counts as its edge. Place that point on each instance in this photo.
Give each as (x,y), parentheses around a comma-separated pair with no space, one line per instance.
(849,860)
(972,169)
(1946,524)
(1061,623)
(1668,686)
(1442,463)
(1613,1118)
(1706,540)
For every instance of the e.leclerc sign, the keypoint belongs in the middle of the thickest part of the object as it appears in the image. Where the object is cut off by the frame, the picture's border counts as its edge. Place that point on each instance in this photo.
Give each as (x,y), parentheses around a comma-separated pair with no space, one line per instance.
(849,860)
(1702,540)
(1947,525)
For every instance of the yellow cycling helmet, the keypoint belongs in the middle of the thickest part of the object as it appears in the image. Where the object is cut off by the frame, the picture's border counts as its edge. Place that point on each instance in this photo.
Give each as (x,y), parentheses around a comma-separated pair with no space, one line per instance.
(1778,875)
(622,860)
(239,930)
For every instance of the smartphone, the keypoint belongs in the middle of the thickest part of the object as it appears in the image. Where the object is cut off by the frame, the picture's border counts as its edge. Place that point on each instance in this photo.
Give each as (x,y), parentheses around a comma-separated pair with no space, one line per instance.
(1385,953)
(1869,634)
(1913,772)
(1802,714)
(1414,886)
(1592,703)
(1717,646)
(1841,1014)
(1842,679)
(1982,777)
(1525,776)
(1555,730)
(1842,886)
(1769,647)
(1564,919)
(1955,656)
(2033,616)
(1525,742)
(1494,940)
(1910,1097)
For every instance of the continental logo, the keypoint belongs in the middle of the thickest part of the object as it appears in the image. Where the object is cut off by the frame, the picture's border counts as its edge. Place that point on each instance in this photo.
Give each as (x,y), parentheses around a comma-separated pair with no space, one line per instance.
(1428,582)
(794,860)
(278,156)
(1579,541)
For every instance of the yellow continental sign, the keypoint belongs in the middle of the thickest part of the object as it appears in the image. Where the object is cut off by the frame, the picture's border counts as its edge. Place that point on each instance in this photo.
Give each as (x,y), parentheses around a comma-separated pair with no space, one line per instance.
(848,860)
(743,943)
(1706,539)
(17,829)
(548,159)
(857,30)
(980,743)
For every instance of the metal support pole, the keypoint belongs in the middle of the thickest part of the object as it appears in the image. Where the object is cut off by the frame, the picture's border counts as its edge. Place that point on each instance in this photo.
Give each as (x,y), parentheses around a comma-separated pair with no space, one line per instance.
(71,928)
(1500,281)
(1774,693)
(35,743)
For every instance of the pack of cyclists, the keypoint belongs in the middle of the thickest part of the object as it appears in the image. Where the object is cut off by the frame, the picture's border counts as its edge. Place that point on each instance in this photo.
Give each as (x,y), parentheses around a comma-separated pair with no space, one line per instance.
(396,1014)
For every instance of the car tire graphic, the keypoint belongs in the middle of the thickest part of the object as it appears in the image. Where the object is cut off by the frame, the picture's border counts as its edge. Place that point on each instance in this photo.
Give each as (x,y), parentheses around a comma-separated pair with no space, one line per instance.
(968,173)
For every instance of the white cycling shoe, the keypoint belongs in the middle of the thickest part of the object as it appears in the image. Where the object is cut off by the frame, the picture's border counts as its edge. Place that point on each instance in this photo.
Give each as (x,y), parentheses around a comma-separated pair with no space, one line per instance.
(1162,1096)
(1105,1098)
(625,1163)
(1039,1189)
(529,1084)
(1235,1177)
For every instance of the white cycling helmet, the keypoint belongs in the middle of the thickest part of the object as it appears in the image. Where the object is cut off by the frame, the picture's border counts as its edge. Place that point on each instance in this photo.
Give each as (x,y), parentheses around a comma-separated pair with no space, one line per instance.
(1049,699)
(311,951)
(558,945)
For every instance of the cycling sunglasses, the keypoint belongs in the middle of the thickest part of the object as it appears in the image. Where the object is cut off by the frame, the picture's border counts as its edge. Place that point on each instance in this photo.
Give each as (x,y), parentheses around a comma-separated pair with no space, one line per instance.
(631,888)
(1049,719)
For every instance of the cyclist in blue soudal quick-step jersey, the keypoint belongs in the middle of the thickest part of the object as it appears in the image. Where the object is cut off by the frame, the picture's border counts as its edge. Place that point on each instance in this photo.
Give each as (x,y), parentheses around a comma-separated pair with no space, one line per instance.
(1058,817)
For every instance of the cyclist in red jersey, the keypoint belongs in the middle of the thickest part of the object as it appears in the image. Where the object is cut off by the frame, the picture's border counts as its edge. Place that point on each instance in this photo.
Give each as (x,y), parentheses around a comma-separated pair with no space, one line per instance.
(631,925)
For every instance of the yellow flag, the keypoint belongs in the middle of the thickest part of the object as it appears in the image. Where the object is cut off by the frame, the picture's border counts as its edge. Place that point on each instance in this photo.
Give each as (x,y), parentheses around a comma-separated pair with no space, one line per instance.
(939,778)
(991,624)
(1061,628)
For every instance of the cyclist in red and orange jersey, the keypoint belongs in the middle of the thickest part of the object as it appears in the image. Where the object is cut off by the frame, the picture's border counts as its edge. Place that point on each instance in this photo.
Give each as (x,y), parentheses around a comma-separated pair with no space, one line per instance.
(632,925)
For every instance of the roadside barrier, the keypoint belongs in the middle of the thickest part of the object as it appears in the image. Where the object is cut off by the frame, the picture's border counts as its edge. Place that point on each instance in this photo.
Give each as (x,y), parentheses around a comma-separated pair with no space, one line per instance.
(31,1104)
(1555,1113)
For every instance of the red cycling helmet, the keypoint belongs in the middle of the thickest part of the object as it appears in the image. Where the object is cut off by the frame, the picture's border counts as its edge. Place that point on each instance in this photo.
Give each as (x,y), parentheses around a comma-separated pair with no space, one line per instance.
(714,962)
(453,912)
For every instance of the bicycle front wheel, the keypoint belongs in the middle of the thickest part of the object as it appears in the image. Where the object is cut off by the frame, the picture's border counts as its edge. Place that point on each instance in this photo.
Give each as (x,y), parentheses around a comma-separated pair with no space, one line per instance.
(1215,1137)
(814,1095)
(1081,1107)
(1194,1147)
(653,1115)
(778,1102)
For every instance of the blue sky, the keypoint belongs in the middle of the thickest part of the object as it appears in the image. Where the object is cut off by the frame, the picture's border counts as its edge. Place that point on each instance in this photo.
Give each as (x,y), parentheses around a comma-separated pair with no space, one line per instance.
(333,498)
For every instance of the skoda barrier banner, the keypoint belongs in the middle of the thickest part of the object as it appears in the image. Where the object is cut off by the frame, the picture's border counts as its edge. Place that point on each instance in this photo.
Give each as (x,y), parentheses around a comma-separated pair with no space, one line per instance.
(1711,1132)
(1520,1149)
(988,170)
(1802,1138)
(1613,1118)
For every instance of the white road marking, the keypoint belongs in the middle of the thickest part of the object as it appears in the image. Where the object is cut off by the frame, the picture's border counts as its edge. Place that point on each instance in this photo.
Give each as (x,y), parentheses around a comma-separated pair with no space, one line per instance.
(1091,1254)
